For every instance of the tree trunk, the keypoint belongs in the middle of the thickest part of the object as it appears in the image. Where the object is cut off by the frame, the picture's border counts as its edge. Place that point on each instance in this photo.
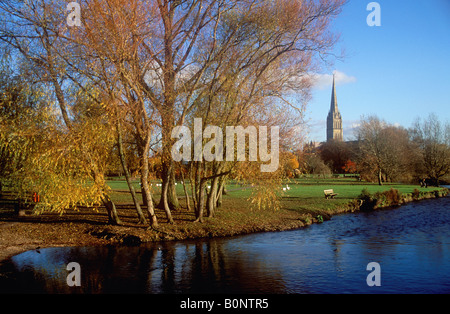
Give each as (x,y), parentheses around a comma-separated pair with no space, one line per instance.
(172,198)
(169,195)
(224,189)
(212,196)
(126,171)
(167,168)
(144,196)
(166,161)
(149,204)
(201,201)
(188,206)
(192,184)
(220,192)
(380,179)
(197,186)
(164,201)
(148,196)
(144,181)
(113,217)
(167,109)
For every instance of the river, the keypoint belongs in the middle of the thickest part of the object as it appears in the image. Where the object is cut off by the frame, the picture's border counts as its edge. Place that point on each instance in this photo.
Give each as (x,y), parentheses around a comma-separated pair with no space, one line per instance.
(411,245)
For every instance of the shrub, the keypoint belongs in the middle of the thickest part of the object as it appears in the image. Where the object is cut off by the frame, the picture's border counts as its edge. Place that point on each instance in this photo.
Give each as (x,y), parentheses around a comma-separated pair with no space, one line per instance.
(365,195)
(416,194)
(380,199)
(319,218)
(390,197)
(368,201)
(393,197)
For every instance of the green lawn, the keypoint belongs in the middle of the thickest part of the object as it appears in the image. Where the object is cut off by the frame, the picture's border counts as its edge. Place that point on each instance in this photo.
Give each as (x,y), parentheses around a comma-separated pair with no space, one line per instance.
(307,194)
(121,192)
(301,205)
(310,196)
(121,184)
(303,193)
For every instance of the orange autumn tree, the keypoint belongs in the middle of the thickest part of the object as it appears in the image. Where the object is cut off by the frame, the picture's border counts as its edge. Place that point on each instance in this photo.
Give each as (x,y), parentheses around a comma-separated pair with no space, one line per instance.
(349,167)
(160,63)
(260,53)
(167,61)
(290,164)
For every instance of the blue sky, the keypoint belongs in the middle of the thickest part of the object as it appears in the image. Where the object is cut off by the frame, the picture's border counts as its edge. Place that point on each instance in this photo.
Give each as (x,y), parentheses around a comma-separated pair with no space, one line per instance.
(398,71)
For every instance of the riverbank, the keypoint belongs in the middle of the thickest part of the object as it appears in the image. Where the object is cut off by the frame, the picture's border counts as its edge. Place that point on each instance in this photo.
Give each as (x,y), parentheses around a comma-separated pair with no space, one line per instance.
(87,227)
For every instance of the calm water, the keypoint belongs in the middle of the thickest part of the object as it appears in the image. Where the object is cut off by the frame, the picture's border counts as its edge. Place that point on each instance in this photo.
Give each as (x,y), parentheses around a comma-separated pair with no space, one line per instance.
(411,245)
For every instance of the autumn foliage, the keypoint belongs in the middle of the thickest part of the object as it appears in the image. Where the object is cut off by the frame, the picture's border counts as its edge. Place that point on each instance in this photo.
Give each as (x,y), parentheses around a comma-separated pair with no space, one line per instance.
(114,88)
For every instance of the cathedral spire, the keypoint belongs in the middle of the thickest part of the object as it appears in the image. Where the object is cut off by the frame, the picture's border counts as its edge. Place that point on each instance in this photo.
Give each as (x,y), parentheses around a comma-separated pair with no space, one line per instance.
(334,106)
(334,119)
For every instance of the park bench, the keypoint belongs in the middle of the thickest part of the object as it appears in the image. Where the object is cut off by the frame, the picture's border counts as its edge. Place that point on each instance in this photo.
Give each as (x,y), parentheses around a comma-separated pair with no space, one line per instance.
(8,201)
(12,204)
(329,193)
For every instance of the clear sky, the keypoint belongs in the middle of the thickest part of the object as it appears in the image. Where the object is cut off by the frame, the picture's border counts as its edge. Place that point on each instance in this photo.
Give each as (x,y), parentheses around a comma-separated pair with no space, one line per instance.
(398,71)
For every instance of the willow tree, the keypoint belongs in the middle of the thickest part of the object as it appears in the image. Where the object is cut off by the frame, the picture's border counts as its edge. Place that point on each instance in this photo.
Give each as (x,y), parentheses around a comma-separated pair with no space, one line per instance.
(20,108)
(35,30)
(256,55)
(110,40)
(43,158)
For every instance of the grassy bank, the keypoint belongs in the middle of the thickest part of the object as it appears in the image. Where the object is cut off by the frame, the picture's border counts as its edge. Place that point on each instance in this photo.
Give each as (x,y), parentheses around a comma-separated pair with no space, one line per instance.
(302,204)
(304,196)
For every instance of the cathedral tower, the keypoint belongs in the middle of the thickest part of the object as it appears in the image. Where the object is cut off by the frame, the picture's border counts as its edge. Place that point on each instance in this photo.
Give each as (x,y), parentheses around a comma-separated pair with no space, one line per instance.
(334,119)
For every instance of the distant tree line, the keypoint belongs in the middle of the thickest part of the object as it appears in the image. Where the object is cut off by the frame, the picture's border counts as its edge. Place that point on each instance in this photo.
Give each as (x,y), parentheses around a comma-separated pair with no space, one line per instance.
(383,152)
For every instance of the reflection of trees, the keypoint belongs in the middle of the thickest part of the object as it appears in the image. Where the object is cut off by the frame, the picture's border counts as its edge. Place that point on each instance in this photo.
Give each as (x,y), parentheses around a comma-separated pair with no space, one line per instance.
(208,267)
(167,264)
(216,270)
(203,266)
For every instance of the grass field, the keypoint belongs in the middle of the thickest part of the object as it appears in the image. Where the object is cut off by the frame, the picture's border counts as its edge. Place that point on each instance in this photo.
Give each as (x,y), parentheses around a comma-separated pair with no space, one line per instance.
(304,194)
(302,204)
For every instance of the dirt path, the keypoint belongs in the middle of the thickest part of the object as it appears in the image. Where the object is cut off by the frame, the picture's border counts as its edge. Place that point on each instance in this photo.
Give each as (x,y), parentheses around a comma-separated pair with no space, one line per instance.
(17,237)
(12,243)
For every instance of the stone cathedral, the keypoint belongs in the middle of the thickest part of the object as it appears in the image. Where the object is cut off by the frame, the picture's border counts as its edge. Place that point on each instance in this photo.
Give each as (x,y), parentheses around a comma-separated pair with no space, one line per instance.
(334,119)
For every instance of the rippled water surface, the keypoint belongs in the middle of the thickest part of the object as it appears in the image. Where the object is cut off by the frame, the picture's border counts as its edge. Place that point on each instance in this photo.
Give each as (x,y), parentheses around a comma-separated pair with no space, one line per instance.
(411,245)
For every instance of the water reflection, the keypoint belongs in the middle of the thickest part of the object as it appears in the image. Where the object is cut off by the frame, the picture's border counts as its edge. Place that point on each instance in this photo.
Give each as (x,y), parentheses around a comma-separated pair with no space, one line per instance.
(198,267)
